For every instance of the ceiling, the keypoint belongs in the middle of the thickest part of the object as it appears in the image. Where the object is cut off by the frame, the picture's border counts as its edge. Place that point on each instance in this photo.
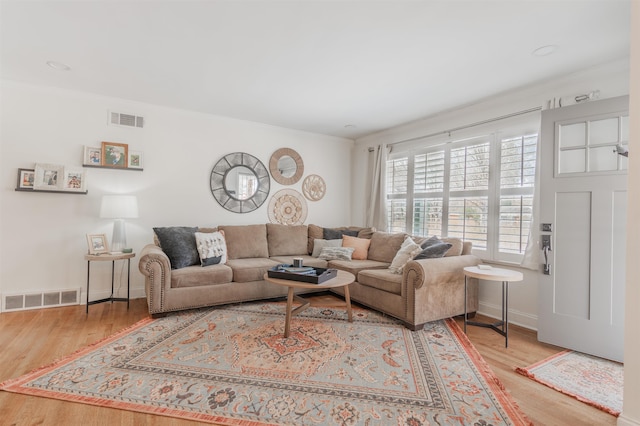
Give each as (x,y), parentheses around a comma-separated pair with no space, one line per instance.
(343,68)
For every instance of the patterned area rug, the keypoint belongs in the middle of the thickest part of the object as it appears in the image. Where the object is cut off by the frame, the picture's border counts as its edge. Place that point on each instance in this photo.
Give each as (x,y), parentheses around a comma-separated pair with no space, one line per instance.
(594,381)
(232,366)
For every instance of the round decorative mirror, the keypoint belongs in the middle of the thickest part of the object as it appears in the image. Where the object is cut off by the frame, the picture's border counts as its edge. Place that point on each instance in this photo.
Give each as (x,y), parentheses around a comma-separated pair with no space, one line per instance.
(286,166)
(240,182)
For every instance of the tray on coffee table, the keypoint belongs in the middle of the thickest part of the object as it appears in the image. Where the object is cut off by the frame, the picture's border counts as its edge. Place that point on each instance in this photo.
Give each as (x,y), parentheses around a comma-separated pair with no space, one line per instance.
(307,274)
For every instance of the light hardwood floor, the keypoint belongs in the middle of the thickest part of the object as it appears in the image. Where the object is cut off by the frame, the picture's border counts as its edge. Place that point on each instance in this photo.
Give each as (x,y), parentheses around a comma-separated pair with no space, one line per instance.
(31,339)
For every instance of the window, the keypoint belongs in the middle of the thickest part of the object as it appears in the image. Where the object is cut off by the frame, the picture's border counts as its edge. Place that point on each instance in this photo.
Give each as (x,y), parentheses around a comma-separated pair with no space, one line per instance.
(479,189)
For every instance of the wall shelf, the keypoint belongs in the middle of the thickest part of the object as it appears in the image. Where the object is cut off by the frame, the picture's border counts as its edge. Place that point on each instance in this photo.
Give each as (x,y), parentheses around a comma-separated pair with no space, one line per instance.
(54,192)
(113,168)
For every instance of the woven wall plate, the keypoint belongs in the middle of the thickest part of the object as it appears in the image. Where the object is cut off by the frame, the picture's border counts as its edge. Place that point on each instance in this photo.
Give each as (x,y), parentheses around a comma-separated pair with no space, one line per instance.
(287,207)
(313,187)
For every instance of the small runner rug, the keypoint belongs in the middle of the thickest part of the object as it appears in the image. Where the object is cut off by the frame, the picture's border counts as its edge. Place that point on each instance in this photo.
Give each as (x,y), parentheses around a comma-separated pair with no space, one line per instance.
(592,380)
(232,366)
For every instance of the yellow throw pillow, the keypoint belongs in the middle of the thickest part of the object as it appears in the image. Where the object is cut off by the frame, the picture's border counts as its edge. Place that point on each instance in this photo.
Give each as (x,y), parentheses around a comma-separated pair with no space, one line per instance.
(360,246)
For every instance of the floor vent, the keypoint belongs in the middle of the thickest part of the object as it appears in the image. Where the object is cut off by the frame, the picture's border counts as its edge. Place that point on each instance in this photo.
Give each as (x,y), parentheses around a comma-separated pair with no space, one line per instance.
(128,120)
(39,300)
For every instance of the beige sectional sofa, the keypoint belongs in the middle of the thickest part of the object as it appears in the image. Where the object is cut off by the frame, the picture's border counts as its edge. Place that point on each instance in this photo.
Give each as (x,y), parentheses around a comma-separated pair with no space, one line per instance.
(426,290)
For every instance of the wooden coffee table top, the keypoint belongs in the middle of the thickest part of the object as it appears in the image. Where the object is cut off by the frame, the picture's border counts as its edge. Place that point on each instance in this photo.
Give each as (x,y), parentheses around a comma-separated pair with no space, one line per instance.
(342,279)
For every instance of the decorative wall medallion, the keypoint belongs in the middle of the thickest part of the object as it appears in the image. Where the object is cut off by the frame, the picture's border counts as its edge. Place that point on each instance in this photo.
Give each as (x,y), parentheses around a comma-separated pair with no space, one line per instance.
(313,187)
(287,207)
(240,182)
(286,166)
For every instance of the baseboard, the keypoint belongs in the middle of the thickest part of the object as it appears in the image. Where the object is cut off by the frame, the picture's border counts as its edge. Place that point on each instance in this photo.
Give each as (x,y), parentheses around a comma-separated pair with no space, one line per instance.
(626,421)
(522,319)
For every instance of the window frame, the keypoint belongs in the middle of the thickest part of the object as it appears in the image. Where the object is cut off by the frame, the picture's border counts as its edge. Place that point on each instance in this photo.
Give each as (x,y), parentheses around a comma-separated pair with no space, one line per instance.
(495,135)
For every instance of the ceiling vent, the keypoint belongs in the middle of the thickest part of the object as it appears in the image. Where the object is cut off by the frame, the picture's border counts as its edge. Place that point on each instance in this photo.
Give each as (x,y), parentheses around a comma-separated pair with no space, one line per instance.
(128,120)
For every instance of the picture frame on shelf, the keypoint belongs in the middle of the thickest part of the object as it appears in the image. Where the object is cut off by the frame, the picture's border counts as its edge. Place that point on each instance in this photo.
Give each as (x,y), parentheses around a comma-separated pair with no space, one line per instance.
(115,154)
(97,243)
(48,177)
(92,156)
(74,180)
(136,160)
(26,178)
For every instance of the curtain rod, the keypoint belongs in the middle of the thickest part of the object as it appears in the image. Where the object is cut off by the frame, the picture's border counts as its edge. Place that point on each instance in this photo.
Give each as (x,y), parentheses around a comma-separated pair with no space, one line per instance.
(467,126)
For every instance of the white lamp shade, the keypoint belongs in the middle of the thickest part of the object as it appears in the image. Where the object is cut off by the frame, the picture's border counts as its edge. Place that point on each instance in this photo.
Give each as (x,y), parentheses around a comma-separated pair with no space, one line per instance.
(119,207)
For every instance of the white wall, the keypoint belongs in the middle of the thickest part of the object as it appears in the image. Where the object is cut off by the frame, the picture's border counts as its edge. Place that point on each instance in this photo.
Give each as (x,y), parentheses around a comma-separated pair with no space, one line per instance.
(42,236)
(631,409)
(610,79)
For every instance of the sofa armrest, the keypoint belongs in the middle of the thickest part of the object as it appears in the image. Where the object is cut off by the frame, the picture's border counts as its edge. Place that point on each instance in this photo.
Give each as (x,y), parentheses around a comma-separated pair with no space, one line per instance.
(154,264)
(425,272)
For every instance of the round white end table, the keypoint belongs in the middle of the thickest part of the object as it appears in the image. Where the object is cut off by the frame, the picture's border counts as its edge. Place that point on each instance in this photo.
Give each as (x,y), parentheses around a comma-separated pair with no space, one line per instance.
(492,274)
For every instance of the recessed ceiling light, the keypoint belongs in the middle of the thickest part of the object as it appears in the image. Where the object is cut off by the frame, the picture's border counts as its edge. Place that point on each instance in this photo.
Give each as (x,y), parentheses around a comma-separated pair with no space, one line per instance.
(58,66)
(545,50)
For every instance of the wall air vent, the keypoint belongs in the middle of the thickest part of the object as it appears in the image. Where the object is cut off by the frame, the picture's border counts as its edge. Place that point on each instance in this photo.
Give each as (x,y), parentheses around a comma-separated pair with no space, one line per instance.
(39,300)
(128,120)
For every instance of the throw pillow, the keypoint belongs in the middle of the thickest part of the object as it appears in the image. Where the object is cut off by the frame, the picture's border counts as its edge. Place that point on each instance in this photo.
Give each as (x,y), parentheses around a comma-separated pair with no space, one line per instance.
(336,253)
(433,251)
(318,245)
(408,250)
(335,234)
(179,244)
(360,245)
(212,248)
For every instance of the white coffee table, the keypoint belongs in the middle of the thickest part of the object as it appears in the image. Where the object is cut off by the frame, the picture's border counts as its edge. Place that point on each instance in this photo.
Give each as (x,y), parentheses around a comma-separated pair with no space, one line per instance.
(492,274)
(343,279)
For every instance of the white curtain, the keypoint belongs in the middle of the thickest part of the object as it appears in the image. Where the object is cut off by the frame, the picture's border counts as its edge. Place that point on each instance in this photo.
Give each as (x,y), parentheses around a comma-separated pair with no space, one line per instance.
(531,258)
(377,209)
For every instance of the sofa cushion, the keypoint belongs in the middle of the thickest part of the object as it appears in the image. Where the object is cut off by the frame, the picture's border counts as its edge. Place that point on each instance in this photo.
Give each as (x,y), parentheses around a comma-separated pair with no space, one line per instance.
(315,233)
(355,266)
(250,269)
(382,279)
(360,245)
(407,252)
(336,253)
(384,246)
(246,241)
(286,240)
(456,246)
(194,276)
(179,244)
(212,248)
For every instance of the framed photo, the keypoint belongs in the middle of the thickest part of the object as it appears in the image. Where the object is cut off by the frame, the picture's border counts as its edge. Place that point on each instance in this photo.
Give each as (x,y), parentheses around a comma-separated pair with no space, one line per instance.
(115,154)
(48,177)
(74,180)
(92,156)
(26,178)
(135,160)
(97,243)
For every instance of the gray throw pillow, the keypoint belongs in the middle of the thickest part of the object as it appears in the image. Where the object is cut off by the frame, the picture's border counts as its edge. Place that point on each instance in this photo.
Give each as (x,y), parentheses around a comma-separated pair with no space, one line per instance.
(179,244)
(433,251)
(336,234)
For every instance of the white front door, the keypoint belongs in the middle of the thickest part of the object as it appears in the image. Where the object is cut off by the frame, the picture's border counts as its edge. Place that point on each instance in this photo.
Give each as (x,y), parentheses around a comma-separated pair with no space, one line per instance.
(584,199)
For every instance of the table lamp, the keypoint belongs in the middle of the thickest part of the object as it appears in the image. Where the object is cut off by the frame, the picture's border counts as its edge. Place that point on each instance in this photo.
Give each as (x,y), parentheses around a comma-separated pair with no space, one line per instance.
(119,208)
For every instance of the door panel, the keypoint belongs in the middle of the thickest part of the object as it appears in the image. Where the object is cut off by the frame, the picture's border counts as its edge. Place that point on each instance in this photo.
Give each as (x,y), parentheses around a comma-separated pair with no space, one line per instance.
(572,241)
(583,194)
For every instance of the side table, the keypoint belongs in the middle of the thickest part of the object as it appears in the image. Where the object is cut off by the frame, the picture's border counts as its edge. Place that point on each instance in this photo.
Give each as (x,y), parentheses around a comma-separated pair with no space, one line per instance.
(492,274)
(108,257)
